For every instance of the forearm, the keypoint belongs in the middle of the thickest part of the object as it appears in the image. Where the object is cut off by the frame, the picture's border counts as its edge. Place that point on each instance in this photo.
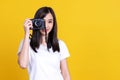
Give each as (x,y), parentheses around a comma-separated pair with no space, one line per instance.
(23,57)
(66,76)
(64,70)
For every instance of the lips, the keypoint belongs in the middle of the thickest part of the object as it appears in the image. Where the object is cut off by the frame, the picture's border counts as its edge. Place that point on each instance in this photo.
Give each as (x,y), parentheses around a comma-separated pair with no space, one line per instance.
(46,30)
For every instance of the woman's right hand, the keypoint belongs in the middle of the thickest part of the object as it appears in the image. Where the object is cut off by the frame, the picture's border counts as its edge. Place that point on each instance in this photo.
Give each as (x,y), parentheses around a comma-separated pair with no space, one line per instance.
(28,25)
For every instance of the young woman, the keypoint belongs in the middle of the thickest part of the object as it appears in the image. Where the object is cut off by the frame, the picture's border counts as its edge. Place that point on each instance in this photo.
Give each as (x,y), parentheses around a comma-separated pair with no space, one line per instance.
(43,53)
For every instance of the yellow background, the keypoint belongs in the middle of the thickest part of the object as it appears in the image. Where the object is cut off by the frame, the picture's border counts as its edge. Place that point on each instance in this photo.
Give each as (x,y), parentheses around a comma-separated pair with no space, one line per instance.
(90,28)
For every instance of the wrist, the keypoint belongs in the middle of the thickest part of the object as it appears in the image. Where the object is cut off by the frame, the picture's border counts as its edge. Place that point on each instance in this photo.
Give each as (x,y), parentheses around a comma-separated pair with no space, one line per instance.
(27,34)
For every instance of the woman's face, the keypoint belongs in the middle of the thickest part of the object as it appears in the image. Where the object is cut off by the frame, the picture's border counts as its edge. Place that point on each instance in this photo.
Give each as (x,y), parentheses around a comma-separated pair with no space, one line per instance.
(49,23)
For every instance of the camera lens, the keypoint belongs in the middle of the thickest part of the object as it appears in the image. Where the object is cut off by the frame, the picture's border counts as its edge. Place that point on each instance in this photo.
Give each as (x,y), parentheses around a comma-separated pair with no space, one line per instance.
(37,23)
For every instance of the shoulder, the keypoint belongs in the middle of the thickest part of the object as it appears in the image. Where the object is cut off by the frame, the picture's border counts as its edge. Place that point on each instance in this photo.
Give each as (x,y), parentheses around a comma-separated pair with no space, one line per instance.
(64,52)
(62,44)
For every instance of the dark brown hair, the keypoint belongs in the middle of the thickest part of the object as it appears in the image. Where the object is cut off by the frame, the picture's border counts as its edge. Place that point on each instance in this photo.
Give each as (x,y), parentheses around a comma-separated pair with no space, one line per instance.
(52,41)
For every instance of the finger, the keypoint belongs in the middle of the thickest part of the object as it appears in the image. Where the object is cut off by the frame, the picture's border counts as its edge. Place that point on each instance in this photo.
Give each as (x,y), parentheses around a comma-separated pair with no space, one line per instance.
(27,20)
(28,23)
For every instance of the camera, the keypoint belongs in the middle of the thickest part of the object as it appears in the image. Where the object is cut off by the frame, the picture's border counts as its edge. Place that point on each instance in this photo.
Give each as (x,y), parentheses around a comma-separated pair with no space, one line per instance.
(38,23)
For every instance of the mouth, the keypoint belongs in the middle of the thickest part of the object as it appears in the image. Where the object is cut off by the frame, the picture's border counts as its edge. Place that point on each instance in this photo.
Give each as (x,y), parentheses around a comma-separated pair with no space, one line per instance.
(46,30)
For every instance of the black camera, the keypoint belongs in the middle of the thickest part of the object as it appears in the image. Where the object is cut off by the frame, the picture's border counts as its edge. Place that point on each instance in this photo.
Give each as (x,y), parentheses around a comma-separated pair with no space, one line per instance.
(38,23)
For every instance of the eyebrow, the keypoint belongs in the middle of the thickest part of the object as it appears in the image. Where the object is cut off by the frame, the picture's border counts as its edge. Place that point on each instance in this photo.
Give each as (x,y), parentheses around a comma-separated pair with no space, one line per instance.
(49,19)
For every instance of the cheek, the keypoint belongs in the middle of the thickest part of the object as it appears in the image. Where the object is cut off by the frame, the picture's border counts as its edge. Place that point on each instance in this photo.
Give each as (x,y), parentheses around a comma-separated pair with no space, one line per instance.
(51,25)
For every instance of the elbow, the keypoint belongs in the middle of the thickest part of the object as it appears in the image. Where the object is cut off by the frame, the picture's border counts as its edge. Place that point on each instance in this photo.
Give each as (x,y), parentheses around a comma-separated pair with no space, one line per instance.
(66,77)
(22,65)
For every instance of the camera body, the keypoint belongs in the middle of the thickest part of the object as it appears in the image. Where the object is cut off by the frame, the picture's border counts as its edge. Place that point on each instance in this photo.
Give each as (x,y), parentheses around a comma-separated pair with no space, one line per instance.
(38,23)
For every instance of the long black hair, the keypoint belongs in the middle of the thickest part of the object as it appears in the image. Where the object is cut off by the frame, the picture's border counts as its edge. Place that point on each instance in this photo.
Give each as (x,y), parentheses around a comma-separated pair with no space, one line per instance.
(52,40)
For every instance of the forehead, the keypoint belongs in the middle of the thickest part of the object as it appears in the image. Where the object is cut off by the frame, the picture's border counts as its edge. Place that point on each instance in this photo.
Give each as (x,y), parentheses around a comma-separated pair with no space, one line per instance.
(48,16)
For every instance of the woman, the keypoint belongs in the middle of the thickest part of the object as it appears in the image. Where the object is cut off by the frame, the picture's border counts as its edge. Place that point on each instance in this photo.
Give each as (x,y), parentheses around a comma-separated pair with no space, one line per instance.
(43,54)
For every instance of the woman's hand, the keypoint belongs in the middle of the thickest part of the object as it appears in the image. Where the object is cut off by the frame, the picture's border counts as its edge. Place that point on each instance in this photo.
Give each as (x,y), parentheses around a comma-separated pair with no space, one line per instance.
(28,25)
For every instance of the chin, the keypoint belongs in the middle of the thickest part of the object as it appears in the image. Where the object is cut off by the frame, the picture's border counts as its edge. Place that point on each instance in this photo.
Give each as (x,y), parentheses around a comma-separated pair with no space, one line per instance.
(43,33)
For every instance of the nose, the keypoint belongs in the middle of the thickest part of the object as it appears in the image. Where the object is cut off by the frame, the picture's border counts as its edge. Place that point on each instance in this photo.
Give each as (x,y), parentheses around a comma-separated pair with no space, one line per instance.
(46,24)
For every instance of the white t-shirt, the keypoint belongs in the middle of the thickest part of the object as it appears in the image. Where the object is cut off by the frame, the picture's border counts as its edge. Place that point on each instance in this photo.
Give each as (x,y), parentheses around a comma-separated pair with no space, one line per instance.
(45,65)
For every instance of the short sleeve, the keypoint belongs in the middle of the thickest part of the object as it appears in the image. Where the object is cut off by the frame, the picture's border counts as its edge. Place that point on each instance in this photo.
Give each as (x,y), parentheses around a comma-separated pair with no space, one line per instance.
(20,46)
(64,53)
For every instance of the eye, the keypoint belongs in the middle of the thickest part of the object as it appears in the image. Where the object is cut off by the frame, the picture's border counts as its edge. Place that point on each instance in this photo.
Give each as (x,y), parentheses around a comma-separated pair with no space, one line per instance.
(50,21)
